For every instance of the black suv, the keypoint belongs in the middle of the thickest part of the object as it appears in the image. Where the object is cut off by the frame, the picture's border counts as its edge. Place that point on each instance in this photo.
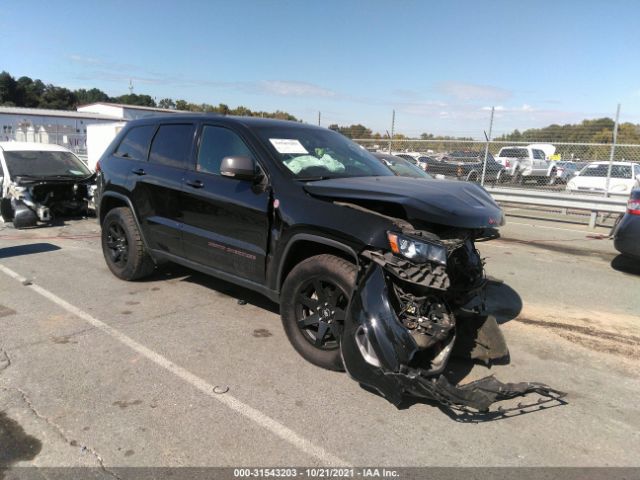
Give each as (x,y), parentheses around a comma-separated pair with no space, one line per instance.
(373,272)
(466,165)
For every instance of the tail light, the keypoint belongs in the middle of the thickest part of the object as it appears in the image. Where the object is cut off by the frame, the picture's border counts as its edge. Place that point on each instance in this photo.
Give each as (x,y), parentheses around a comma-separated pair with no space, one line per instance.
(98,167)
(633,206)
(507,164)
(459,171)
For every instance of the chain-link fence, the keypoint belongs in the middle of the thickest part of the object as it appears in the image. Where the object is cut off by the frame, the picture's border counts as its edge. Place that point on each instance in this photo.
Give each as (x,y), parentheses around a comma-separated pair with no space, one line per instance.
(598,157)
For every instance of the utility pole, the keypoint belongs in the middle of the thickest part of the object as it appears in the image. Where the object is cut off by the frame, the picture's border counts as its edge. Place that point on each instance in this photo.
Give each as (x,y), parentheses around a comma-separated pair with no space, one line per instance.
(613,150)
(486,148)
(319,116)
(393,124)
(130,87)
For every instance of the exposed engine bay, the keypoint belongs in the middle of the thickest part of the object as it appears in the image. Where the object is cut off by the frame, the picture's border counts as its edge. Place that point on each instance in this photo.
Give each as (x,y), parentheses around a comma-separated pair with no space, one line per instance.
(415,307)
(29,201)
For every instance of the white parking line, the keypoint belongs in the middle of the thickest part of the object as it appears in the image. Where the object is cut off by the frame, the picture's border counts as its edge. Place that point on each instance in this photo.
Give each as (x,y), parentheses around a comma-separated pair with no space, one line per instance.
(230,401)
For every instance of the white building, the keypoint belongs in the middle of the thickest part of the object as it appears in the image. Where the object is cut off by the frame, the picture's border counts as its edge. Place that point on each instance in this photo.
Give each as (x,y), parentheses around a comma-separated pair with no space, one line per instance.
(124,112)
(67,128)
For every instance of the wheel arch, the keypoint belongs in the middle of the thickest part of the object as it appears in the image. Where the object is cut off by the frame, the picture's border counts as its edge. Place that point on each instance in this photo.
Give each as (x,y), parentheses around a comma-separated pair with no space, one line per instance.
(305,245)
(111,200)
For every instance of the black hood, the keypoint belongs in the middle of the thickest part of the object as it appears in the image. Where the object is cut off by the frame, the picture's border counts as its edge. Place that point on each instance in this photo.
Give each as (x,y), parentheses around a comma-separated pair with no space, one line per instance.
(451,203)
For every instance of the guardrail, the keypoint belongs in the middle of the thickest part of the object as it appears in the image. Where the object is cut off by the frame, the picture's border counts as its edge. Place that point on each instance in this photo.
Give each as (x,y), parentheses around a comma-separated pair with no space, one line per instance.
(615,204)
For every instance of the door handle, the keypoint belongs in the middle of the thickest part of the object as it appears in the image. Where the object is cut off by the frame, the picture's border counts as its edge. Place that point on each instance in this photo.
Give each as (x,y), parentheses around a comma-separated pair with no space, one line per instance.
(139,171)
(195,183)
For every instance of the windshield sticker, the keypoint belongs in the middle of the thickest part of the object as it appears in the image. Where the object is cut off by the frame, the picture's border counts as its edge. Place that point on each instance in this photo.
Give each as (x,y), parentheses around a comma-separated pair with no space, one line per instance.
(288,145)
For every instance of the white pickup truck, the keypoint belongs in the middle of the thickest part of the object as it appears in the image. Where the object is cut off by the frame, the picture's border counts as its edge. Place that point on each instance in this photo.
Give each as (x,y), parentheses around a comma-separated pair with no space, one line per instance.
(524,162)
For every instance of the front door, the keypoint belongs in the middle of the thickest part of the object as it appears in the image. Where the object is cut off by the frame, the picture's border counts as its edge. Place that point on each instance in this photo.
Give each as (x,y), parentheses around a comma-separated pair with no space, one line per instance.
(226,223)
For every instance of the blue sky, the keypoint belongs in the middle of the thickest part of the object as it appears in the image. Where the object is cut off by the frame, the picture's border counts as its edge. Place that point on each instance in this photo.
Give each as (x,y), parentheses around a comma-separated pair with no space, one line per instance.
(440,65)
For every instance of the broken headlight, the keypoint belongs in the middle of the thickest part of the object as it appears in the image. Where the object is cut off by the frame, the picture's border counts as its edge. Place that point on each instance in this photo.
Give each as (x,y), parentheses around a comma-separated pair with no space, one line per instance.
(418,251)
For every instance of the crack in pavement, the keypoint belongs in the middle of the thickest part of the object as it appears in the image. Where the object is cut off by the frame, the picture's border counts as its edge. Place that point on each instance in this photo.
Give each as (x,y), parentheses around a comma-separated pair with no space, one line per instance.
(60,431)
(5,360)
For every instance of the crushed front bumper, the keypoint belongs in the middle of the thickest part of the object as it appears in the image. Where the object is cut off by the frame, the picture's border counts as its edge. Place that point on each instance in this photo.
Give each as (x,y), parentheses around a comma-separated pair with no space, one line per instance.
(378,351)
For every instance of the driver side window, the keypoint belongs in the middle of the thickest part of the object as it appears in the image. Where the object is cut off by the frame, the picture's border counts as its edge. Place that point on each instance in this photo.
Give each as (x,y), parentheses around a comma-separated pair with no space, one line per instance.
(217,143)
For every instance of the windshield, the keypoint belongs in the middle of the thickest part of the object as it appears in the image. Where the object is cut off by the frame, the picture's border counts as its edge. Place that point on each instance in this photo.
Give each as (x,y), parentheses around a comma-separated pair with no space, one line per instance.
(311,153)
(45,164)
(514,152)
(402,167)
(602,169)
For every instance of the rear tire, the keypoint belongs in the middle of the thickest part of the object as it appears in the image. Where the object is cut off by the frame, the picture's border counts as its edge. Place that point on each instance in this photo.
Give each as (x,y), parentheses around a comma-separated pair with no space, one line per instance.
(313,307)
(122,246)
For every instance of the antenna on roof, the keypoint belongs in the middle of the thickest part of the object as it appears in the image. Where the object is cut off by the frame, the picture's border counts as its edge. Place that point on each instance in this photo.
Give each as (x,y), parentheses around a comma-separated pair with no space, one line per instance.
(130,87)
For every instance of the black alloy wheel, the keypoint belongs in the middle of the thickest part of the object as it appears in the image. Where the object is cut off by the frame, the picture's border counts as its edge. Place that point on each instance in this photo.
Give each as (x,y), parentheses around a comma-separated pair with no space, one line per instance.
(320,307)
(117,244)
(313,307)
(122,246)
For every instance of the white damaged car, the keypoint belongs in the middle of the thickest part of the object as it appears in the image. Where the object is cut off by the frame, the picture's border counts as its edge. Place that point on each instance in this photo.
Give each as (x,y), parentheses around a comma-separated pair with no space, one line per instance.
(41,182)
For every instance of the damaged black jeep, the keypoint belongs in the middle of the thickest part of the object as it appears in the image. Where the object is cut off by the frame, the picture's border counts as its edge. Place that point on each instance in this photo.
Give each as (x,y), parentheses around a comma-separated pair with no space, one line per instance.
(374,273)
(41,182)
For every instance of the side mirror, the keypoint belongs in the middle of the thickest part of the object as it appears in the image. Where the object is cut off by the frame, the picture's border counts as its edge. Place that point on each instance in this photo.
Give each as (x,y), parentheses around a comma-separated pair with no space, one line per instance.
(242,168)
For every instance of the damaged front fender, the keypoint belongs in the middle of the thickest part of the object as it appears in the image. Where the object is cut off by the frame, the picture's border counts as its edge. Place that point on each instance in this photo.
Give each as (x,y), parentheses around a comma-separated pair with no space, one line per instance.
(379,351)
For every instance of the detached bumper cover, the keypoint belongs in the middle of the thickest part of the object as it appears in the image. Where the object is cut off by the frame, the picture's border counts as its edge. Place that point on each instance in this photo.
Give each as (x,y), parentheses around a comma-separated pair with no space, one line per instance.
(377,351)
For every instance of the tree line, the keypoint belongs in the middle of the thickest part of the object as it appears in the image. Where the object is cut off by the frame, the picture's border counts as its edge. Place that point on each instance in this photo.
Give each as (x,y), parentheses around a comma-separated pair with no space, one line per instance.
(29,93)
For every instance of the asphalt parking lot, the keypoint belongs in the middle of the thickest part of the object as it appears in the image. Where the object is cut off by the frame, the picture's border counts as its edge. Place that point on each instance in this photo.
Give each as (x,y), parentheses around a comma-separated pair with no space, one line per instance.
(173,371)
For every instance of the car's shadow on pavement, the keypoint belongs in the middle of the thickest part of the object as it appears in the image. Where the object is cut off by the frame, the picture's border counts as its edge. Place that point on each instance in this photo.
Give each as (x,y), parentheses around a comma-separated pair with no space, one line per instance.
(29,249)
(503,302)
(626,265)
(184,274)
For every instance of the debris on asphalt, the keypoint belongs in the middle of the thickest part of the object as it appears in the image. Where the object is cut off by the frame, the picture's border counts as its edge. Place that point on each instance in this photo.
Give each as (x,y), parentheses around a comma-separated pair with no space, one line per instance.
(220,390)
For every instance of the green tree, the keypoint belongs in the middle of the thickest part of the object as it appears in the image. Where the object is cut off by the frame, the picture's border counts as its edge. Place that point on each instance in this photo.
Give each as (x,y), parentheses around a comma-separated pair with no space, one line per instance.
(29,92)
(7,89)
(57,98)
(135,99)
(93,95)
(167,103)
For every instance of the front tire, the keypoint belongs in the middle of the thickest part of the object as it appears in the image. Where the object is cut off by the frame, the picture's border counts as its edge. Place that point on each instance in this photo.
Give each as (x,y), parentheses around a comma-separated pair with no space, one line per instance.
(313,306)
(122,246)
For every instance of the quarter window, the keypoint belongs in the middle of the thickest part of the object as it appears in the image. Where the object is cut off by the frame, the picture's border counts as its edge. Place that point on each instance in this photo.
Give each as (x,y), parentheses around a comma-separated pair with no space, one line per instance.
(217,143)
(538,154)
(172,145)
(135,144)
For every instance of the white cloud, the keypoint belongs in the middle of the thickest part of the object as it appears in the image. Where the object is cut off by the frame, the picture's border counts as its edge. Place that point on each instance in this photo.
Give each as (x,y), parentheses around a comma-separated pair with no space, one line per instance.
(293,89)
(471,91)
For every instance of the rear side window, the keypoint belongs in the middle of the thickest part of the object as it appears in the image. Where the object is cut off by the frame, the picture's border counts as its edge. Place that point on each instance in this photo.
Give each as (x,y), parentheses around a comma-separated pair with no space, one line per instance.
(135,144)
(172,145)
(217,143)
(538,154)
(514,153)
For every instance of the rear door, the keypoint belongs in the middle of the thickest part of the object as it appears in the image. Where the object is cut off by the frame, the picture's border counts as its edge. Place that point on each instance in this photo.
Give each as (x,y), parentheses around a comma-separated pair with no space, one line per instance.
(226,223)
(540,164)
(158,184)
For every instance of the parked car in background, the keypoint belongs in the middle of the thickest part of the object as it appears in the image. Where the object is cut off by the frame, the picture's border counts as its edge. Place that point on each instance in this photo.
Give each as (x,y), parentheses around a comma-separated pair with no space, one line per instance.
(416,158)
(466,165)
(41,182)
(625,176)
(522,163)
(401,166)
(566,170)
(626,234)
